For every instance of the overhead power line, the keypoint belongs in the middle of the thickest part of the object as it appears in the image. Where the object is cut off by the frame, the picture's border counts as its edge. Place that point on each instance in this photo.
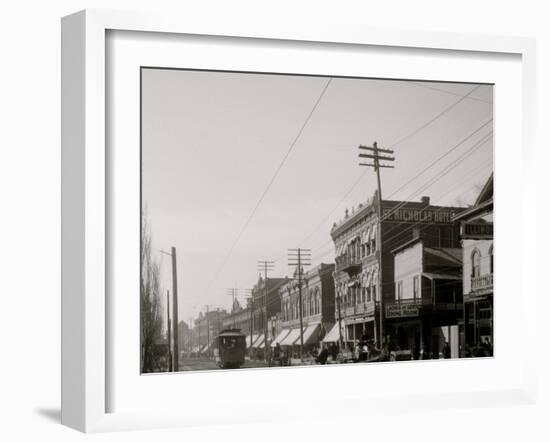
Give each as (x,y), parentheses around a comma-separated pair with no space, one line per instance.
(270,183)
(362,175)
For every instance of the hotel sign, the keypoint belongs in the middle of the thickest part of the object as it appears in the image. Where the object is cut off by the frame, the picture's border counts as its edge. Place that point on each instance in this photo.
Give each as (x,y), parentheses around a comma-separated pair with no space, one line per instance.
(418,215)
(477,230)
(402,311)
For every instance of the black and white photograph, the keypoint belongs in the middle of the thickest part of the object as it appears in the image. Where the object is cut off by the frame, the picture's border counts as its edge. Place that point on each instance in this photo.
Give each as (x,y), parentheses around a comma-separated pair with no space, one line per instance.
(293,220)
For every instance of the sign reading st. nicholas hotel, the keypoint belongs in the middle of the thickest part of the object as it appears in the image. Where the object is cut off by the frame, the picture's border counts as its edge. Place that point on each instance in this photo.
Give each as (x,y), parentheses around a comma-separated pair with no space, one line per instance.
(415,215)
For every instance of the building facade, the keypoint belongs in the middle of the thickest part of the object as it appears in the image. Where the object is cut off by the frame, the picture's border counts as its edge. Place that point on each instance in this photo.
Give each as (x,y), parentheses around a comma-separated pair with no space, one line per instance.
(476,230)
(265,304)
(239,318)
(207,327)
(318,304)
(363,245)
(424,314)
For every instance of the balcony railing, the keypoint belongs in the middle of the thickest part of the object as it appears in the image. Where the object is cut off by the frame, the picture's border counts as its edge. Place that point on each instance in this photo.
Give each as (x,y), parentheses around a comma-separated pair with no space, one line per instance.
(358,309)
(482,282)
(348,264)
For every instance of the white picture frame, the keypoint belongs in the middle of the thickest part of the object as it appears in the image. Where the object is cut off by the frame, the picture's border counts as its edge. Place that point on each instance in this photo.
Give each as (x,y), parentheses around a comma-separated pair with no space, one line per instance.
(86,202)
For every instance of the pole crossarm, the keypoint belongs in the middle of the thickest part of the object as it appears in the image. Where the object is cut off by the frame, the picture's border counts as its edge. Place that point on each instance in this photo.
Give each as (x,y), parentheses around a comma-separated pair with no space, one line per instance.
(378,157)
(379,165)
(375,148)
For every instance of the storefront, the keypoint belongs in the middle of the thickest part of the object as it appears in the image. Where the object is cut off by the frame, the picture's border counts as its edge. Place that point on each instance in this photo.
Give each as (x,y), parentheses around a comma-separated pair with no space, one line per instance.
(476,230)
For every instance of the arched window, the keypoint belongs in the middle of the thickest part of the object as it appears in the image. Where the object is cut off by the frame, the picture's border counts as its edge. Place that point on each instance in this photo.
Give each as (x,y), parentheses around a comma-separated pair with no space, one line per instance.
(476,263)
(491,257)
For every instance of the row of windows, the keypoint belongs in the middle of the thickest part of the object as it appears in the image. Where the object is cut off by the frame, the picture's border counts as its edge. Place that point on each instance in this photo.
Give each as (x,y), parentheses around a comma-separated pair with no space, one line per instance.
(358,250)
(311,305)
(358,295)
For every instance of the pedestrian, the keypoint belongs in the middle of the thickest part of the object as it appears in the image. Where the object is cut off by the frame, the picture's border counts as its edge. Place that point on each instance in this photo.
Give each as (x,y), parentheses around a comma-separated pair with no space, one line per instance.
(277,354)
(323,356)
(447,351)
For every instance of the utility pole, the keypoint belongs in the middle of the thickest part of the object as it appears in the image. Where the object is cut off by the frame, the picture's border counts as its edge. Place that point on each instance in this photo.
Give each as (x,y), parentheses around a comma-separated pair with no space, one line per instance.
(338,302)
(172,254)
(233,293)
(169,332)
(266,266)
(299,258)
(374,155)
(207,330)
(175,313)
(250,300)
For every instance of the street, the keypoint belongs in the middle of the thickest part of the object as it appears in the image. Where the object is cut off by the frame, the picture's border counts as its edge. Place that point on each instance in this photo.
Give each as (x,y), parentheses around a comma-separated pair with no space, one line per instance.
(190,364)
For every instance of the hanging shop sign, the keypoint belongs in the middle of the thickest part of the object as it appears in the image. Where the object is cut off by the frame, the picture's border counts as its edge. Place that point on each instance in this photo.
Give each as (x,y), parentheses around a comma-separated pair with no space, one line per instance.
(477,230)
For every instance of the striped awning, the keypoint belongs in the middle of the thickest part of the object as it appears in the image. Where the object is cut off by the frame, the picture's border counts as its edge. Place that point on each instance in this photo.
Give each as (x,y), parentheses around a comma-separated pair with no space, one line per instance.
(311,334)
(291,338)
(254,338)
(334,334)
(258,343)
(280,337)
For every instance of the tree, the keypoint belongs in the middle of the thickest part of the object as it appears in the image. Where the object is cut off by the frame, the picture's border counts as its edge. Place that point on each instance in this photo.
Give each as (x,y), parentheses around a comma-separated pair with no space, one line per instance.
(150,301)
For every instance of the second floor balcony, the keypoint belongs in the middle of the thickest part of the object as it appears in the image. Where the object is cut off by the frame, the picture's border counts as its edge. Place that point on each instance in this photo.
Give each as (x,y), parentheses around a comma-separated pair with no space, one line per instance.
(358,309)
(482,282)
(349,264)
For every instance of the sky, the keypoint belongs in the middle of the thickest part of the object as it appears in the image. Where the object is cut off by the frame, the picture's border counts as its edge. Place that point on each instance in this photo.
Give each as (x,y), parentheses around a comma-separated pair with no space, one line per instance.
(215,144)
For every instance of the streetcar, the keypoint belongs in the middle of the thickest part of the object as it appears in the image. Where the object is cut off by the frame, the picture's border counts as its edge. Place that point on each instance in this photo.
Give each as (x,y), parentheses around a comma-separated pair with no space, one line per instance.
(229,348)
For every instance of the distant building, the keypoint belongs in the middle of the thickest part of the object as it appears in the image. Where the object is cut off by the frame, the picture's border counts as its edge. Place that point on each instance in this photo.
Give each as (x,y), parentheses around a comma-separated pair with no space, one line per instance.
(359,290)
(207,327)
(239,317)
(317,309)
(476,231)
(263,308)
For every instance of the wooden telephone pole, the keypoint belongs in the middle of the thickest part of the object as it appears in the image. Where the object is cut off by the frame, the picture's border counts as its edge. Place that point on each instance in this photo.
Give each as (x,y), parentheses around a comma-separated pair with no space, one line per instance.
(169,337)
(300,258)
(266,266)
(172,254)
(374,155)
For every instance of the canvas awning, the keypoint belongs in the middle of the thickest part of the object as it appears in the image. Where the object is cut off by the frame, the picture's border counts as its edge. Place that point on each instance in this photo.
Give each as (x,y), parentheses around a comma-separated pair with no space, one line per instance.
(334,334)
(311,334)
(254,338)
(258,343)
(280,337)
(292,337)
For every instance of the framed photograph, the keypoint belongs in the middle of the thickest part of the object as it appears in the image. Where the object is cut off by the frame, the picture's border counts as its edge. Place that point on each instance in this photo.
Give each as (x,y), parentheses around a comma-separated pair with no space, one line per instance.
(290,222)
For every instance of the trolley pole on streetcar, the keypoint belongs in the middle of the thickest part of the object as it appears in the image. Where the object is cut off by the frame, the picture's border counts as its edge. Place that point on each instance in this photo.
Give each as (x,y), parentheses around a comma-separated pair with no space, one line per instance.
(374,154)
(300,258)
(266,266)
